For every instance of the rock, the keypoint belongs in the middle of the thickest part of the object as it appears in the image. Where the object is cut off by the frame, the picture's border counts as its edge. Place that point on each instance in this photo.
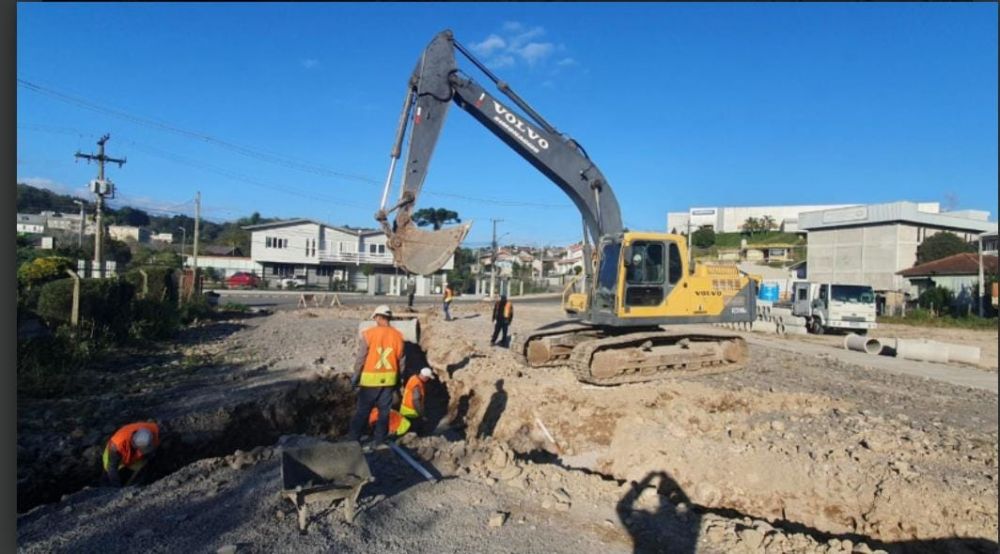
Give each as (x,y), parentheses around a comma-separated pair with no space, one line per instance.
(227,549)
(562,496)
(497,519)
(778,426)
(510,472)
(751,537)
(562,506)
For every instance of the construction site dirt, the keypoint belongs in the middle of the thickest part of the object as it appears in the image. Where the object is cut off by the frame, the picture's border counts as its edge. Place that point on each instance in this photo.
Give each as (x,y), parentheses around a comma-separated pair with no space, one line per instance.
(791,452)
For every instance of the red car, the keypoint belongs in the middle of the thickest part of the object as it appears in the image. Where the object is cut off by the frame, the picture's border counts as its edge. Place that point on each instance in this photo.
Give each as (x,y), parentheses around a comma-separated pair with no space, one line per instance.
(243,281)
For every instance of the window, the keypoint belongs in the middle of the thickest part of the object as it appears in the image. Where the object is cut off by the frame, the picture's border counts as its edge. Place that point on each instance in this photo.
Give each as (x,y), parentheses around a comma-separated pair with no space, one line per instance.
(324,271)
(267,242)
(372,248)
(381,249)
(646,274)
(803,294)
(853,293)
(284,270)
(676,266)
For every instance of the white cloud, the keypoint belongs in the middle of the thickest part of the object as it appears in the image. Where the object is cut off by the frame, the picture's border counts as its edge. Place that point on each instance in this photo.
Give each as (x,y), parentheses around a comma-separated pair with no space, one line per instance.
(491,44)
(518,42)
(309,63)
(49,184)
(533,52)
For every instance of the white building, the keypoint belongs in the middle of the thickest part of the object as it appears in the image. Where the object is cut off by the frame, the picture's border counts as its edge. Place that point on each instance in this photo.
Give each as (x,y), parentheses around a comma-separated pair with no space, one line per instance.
(325,255)
(166,238)
(128,233)
(731,219)
(226,265)
(870,244)
(30,223)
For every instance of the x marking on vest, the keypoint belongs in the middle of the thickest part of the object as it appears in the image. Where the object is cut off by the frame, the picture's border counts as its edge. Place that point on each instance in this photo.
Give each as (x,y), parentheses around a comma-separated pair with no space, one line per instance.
(383,358)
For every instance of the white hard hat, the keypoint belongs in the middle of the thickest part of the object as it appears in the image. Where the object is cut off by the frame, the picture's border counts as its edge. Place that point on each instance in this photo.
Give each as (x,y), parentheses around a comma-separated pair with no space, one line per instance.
(382,310)
(428,372)
(143,440)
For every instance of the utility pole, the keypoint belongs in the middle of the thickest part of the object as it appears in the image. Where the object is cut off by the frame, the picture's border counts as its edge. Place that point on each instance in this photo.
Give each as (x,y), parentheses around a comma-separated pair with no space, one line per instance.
(83,221)
(194,255)
(493,260)
(982,284)
(101,188)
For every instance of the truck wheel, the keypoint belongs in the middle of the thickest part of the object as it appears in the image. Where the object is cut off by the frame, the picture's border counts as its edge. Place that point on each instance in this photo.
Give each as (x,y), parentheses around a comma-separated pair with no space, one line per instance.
(816,327)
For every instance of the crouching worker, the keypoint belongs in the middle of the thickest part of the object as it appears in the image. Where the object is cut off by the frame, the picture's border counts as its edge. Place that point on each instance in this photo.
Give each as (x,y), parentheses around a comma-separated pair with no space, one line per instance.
(398,425)
(129,451)
(415,395)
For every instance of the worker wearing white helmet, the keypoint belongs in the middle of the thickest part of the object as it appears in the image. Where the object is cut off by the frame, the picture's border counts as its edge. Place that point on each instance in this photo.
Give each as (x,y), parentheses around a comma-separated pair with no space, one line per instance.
(129,450)
(376,373)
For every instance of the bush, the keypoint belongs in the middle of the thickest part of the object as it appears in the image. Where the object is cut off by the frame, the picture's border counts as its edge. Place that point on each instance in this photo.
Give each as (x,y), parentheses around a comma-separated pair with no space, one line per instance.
(704,237)
(105,306)
(154,319)
(161,284)
(195,308)
(43,270)
(47,366)
(936,299)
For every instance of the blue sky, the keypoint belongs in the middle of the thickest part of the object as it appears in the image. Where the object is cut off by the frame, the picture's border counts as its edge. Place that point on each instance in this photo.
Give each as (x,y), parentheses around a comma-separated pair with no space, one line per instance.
(290,109)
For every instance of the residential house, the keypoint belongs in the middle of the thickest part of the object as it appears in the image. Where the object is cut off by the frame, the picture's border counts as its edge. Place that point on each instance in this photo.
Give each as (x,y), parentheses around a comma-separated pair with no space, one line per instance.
(327,256)
(166,238)
(958,273)
(31,223)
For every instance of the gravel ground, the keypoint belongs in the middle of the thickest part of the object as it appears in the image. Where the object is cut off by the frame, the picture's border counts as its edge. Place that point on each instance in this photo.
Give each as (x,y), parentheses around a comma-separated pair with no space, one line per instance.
(790,453)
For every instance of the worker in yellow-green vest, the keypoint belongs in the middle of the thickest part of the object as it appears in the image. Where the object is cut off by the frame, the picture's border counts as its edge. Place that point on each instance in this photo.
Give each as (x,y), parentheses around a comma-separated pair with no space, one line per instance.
(449,294)
(380,358)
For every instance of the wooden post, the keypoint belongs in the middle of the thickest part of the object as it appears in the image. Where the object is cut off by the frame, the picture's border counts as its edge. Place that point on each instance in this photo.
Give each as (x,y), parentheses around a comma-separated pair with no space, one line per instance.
(74,317)
(145,284)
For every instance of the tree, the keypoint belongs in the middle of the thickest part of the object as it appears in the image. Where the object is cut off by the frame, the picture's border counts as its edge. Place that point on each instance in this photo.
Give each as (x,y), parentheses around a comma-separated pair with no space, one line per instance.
(941,245)
(133,217)
(704,237)
(767,223)
(751,225)
(435,217)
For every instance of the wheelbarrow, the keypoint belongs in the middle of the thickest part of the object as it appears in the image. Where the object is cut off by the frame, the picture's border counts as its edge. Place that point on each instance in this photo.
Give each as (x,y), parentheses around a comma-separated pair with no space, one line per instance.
(324,472)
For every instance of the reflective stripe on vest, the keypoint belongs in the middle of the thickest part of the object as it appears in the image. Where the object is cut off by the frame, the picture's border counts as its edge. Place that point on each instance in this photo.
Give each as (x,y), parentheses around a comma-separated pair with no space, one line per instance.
(406,407)
(385,347)
(398,425)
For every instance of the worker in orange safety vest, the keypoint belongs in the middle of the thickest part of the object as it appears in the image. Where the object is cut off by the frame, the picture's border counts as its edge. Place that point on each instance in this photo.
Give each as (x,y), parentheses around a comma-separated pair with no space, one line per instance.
(128,451)
(503,314)
(449,294)
(377,367)
(415,394)
(398,425)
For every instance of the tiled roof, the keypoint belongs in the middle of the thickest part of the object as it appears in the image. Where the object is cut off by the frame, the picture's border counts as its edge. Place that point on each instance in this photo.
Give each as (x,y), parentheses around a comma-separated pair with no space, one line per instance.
(966,263)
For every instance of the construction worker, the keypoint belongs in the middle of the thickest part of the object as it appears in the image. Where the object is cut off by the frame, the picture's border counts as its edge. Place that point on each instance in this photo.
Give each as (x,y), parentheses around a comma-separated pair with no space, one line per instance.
(128,451)
(448,295)
(414,394)
(398,425)
(380,357)
(503,314)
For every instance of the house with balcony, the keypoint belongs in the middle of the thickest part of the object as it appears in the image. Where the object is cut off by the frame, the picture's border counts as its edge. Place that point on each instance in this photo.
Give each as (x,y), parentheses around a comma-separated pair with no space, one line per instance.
(331,257)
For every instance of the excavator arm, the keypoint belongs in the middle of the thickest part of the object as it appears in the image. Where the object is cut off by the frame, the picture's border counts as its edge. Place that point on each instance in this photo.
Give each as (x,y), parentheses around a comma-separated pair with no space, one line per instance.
(435,83)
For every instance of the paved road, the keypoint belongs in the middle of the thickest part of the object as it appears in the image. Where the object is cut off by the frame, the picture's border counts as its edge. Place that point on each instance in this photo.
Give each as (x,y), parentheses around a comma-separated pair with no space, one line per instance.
(288,299)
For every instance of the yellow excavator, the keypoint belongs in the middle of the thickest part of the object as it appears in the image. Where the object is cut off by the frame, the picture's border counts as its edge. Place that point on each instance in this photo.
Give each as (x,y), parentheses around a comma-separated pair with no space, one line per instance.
(633,284)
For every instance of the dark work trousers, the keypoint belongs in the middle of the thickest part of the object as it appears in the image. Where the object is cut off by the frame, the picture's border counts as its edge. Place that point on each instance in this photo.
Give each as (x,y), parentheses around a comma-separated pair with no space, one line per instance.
(368,398)
(501,325)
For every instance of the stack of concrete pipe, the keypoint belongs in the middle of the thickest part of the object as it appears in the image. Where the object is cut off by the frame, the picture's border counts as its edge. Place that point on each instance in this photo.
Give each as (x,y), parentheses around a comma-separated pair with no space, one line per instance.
(914,349)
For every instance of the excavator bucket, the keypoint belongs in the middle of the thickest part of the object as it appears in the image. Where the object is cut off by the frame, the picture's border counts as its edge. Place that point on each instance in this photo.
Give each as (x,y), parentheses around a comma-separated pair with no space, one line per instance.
(424,252)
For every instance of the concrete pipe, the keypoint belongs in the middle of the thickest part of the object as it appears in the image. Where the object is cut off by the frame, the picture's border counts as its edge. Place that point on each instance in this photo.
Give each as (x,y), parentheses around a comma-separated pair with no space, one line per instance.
(862,344)
(962,353)
(921,350)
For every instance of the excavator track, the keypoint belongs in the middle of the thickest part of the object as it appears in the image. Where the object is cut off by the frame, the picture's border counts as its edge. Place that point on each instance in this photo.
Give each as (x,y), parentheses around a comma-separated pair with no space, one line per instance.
(598,358)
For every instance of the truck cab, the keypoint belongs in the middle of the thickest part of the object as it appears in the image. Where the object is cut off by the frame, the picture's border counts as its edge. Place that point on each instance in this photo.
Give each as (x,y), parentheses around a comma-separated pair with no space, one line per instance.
(834,306)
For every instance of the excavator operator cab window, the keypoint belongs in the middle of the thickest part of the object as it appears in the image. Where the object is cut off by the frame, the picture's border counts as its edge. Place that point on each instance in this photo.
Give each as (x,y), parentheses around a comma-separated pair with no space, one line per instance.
(676,267)
(645,274)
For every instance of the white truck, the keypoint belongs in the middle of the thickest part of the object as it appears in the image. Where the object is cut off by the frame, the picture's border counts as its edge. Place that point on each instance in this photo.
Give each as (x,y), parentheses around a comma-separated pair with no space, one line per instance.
(834,306)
